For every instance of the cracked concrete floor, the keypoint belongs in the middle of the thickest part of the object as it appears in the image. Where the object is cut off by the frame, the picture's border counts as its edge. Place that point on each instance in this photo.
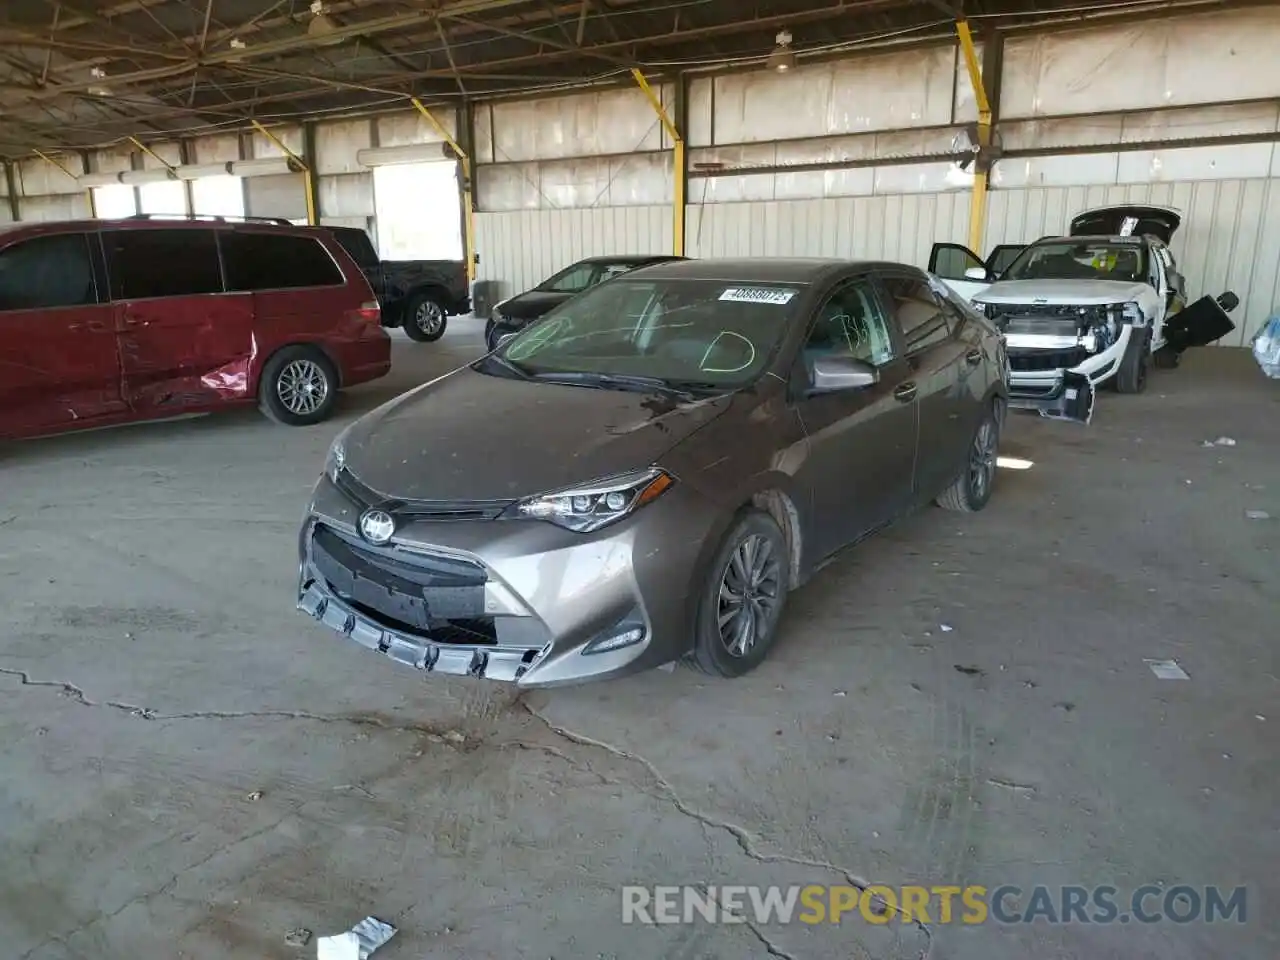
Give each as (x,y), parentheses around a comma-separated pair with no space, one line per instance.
(191,769)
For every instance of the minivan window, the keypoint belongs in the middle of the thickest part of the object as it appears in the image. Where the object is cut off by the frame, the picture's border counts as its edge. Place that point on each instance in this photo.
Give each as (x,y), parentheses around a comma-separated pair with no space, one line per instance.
(268,261)
(161,263)
(357,243)
(47,272)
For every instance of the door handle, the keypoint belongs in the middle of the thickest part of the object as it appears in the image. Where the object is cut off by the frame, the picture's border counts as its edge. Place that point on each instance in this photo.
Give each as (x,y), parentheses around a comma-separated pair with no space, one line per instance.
(93,326)
(973,357)
(906,393)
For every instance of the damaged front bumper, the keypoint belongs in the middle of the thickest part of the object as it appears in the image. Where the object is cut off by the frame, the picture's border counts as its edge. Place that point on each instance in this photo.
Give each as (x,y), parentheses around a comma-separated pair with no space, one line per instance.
(520,601)
(1068,396)
(1058,376)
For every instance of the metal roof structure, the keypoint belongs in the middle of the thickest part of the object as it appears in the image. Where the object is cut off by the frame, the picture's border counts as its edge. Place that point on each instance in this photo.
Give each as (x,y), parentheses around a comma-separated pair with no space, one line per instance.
(82,73)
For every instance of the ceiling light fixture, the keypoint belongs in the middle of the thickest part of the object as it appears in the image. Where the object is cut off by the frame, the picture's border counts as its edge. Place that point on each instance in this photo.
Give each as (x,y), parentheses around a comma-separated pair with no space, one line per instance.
(322,25)
(783,58)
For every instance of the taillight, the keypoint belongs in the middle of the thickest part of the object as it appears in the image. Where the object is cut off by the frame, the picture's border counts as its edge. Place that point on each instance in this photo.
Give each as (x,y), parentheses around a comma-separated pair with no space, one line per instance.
(369,312)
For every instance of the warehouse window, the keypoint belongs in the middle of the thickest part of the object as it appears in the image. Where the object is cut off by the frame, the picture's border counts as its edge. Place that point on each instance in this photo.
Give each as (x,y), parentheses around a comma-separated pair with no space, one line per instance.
(161,263)
(264,261)
(167,198)
(114,202)
(46,272)
(218,196)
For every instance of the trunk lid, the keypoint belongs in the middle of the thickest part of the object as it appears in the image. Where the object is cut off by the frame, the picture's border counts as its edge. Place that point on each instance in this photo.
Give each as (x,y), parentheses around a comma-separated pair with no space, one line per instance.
(1127,220)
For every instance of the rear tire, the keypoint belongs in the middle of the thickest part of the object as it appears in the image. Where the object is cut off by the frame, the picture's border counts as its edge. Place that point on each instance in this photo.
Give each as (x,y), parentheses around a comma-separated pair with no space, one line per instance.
(299,386)
(743,597)
(971,491)
(425,318)
(1131,377)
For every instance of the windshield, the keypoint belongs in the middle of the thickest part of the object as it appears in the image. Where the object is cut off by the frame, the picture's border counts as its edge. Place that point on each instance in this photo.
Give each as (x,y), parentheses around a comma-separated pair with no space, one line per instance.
(712,333)
(1079,260)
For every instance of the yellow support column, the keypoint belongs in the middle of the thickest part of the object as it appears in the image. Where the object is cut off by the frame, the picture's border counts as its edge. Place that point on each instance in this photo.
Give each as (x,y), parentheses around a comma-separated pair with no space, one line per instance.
(978,200)
(312,215)
(468,204)
(678,162)
(93,207)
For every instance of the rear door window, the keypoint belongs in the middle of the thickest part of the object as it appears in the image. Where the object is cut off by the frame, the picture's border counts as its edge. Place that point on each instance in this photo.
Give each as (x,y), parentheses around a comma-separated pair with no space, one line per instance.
(47,272)
(144,264)
(266,261)
(920,313)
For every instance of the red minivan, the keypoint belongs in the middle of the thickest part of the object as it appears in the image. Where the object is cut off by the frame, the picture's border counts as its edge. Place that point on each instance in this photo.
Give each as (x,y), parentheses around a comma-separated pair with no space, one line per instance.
(110,321)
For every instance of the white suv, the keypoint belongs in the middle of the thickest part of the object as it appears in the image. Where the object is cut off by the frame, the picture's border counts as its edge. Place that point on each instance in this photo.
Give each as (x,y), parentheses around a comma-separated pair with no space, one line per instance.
(1096,305)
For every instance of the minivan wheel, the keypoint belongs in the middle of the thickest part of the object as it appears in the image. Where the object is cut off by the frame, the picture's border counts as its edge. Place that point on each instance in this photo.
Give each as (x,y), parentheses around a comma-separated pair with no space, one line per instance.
(742,598)
(299,386)
(972,489)
(424,318)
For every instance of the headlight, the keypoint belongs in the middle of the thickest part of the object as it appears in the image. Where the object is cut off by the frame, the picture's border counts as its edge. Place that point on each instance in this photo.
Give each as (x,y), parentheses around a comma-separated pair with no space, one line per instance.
(598,504)
(336,458)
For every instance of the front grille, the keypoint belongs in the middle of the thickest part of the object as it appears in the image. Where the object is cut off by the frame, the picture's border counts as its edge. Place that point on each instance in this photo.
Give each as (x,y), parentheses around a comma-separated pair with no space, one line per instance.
(1080,315)
(432,595)
(443,510)
(1038,360)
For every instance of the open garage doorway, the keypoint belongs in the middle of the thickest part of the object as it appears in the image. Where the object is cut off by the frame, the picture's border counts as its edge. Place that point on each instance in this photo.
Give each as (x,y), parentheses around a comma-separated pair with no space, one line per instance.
(418,212)
(221,196)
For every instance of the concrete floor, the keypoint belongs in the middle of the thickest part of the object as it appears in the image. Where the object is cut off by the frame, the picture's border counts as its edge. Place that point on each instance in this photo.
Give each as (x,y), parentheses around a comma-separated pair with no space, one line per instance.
(192,769)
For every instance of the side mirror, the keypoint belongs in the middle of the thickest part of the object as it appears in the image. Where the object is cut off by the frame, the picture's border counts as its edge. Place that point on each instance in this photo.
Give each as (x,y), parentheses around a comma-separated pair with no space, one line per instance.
(1228,301)
(977,273)
(833,374)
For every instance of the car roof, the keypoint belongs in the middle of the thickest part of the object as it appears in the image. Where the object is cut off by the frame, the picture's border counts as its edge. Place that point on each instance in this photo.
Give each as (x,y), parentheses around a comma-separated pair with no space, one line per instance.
(621,258)
(796,270)
(37,228)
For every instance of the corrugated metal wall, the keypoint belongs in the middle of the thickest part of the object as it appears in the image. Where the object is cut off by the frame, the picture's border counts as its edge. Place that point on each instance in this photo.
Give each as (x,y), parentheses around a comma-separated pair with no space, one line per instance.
(1229,239)
(520,248)
(889,227)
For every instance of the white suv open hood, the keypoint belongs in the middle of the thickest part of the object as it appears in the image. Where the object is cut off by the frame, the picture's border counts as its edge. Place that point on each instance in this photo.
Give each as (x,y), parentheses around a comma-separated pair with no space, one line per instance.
(1081,292)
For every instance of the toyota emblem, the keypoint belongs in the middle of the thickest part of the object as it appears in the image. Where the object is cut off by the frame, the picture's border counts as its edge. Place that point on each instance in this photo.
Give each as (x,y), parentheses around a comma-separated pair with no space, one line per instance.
(376,526)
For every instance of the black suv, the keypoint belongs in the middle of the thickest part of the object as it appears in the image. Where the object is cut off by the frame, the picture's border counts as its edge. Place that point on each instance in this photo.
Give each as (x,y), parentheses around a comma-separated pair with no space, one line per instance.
(418,295)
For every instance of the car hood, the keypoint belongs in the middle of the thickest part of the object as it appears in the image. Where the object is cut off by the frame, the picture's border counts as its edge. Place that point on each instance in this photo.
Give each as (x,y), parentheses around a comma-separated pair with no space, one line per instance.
(468,436)
(1081,292)
(531,305)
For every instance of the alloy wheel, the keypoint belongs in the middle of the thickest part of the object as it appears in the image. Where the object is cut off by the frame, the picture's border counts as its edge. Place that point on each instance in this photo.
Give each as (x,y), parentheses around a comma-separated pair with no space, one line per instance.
(429,317)
(302,387)
(982,460)
(750,590)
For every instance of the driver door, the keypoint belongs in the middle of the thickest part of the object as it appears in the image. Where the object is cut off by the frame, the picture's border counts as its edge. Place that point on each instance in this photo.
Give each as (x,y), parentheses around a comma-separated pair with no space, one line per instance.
(862,443)
(951,262)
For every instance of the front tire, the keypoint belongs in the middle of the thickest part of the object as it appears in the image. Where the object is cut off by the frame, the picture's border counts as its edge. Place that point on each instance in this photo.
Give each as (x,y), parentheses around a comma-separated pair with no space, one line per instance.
(425,318)
(1131,377)
(299,386)
(742,598)
(971,491)
(1166,358)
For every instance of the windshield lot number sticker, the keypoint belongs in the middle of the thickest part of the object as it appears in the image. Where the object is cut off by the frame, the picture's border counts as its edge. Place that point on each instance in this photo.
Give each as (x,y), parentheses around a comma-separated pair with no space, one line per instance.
(775,295)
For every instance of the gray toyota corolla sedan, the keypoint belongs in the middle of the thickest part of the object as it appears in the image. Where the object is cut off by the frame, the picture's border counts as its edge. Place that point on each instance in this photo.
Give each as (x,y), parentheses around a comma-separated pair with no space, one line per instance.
(644,474)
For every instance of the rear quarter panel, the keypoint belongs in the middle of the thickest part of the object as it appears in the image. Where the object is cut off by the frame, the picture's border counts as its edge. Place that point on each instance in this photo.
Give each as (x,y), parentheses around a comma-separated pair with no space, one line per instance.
(326,317)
